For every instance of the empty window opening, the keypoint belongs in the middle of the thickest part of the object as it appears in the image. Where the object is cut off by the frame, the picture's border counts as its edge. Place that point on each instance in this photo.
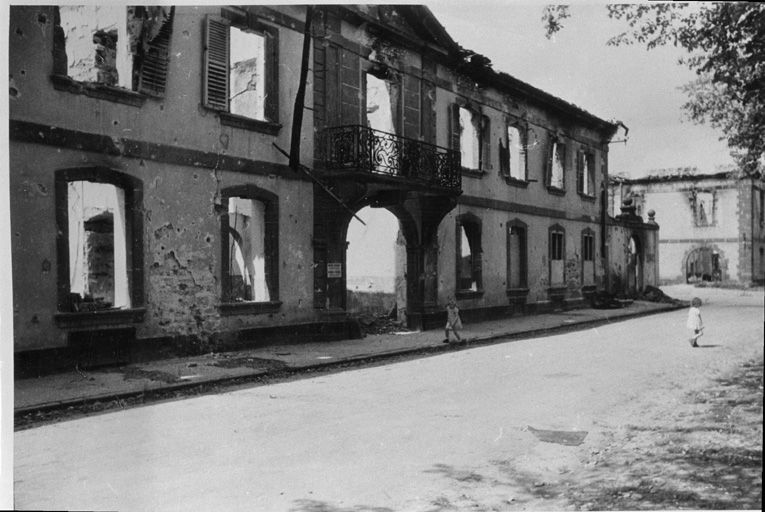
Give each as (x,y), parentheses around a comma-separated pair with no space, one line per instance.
(585,173)
(557,252)
(469,255)
(380,104)
(516,257)
(247,278)
(516,154)
(97,44)
(558,158)
(97,246)
(376,261)
(470,140)
(247,72)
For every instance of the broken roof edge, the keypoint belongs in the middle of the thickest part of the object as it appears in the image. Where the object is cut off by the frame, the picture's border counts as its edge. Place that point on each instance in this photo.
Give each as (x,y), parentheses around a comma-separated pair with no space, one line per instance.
(480,68)
(723,172)
(477,66)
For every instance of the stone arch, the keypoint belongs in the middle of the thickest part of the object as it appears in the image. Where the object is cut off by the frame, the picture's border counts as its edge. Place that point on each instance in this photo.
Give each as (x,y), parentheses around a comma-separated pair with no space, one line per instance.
(717,264)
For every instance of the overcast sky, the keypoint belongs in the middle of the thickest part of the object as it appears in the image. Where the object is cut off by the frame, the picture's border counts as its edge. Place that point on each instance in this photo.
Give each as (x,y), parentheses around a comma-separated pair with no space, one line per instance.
(631,84)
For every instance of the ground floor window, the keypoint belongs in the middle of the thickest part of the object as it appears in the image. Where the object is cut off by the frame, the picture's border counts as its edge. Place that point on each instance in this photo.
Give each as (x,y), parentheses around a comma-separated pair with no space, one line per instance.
(468,253)
(250,246)
(100,261)
(557,252)
(516,255)
(588,257)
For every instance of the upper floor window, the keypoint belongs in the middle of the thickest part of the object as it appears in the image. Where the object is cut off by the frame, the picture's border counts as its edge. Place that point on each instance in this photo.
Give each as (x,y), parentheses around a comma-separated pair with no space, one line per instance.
(470,136)
(469,264)
(249,230)
(585,173)
(100,249)
(556,165)
(126,47)
(512,159)
(240,72)
(703,207)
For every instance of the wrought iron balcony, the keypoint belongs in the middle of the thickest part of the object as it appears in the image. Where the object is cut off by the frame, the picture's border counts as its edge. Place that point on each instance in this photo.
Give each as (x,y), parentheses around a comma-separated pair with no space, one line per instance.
(361,149)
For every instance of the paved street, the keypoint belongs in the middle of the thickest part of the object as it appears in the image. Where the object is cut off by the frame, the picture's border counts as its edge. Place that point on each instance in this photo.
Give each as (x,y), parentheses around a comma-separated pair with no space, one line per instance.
(429,434)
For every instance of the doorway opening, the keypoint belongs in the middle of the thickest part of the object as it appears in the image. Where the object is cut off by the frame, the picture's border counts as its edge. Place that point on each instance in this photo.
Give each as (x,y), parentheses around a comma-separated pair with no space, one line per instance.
(703,264)
(376,288)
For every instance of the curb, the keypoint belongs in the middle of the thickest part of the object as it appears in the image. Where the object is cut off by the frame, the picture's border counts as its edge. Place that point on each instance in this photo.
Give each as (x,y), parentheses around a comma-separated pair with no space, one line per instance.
(296,369)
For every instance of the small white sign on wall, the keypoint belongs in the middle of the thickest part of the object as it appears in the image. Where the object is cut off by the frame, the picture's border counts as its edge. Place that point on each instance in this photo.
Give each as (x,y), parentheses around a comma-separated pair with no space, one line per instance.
(334,270)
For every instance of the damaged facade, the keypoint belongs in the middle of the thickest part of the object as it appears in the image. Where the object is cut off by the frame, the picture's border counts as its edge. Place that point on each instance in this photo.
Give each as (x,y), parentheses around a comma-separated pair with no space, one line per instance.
(715,222)
(153,208)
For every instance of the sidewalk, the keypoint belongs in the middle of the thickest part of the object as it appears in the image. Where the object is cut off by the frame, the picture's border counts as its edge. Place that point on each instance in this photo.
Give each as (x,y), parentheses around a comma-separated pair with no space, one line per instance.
(77,388)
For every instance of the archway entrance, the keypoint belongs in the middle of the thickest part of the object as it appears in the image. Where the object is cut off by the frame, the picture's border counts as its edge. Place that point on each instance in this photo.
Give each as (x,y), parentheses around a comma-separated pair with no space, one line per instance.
(703,264)
(376,268)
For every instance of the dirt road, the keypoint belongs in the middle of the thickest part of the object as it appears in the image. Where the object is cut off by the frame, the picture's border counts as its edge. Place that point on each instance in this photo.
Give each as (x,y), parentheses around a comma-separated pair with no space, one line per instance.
(623,416)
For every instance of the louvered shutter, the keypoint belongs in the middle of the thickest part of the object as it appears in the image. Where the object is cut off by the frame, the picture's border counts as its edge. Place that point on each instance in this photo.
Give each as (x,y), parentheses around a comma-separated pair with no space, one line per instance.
(455,131)
(153,78)
(485,156)
(216,62)
(523,131)
(580,171)
(271,108)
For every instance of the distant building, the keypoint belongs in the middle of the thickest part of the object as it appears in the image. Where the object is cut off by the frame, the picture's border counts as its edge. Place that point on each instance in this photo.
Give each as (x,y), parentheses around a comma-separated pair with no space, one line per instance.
(713,223)
(153,210)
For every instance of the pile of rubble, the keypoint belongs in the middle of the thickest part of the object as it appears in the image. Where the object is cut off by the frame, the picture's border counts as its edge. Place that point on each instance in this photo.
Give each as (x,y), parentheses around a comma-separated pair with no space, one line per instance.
(653,294)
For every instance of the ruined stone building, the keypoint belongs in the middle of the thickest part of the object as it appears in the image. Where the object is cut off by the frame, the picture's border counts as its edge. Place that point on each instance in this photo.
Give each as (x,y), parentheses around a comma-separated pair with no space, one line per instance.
(154,204)
(714,222)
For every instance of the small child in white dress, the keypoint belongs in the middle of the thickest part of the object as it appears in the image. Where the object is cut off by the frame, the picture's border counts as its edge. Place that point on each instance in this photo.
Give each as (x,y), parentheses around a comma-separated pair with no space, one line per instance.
(453,321)
(694,321)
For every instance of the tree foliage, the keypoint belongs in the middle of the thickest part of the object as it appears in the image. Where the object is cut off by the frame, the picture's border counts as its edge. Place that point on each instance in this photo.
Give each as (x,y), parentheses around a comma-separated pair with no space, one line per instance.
(725,45)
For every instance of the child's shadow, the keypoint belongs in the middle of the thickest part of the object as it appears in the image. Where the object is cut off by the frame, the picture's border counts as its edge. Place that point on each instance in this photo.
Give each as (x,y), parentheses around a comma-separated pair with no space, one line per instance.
(707,346)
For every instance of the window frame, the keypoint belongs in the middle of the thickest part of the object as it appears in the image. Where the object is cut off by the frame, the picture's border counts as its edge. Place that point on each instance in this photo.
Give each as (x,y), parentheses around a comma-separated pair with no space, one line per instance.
(588,256)
(483,131)
(271,250)
(556,251)
(586,155)
(216,48)
(505,162)
(132,188)
(522,290)
(473,227)
(150,70)
(556,144)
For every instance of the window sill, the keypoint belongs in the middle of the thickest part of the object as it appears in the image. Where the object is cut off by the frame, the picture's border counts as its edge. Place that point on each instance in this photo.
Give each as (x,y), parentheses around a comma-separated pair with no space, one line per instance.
(473,173)
(245,123)
(515,182)
(517,295)
(556,191)
(587,197)
(249,308)
(469,294)
(98,91)
(107,317)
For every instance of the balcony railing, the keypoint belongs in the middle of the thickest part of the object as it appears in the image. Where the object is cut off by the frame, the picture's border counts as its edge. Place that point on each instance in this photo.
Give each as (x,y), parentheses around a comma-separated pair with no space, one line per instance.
(365,150)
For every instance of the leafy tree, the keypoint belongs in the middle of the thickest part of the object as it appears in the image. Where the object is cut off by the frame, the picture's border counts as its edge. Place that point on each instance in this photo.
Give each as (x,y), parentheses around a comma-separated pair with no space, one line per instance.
(725,45)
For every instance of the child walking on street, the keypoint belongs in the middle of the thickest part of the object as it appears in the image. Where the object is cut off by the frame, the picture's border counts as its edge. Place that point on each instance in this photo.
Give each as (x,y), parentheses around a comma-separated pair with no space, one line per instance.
(453,322)
(694,321)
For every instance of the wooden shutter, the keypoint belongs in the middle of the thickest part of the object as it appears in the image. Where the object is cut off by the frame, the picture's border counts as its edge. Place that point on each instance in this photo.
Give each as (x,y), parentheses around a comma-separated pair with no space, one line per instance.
(580,171)
(504,158)
(271,107)
(484,159)
(411,101)
(216,62)
(454,127)
(523,131)
(153,77)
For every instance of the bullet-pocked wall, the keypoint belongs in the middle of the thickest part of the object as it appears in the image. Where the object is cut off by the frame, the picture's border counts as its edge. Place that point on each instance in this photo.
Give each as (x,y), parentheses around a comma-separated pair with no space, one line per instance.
(188,159)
